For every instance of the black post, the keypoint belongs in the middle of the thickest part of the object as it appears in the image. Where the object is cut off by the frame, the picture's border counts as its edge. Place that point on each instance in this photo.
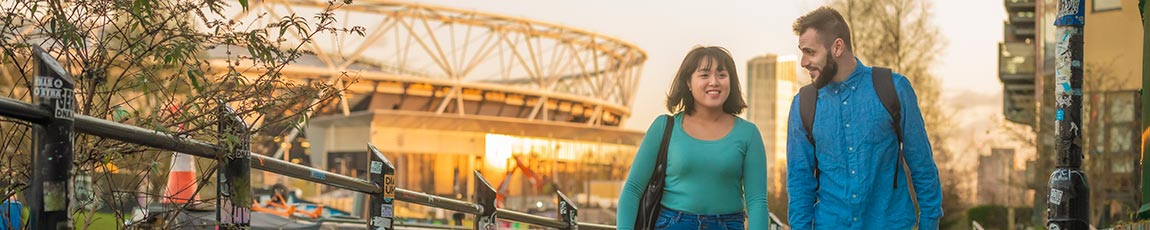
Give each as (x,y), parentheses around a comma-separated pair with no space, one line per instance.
(52,160)
(1144,210)
(1069,199)
(568,213)
(234,178)
(485,197)
(382,203)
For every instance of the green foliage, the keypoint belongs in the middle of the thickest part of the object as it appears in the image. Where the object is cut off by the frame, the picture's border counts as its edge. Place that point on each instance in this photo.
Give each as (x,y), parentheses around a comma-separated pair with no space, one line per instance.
(162,65)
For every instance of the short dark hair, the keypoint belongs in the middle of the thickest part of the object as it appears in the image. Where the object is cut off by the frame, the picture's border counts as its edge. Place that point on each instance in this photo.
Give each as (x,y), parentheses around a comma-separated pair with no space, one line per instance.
(828,22)
(680,98)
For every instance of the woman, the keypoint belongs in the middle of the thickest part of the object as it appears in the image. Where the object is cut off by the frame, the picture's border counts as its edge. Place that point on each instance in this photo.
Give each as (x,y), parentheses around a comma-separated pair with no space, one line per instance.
(716,164)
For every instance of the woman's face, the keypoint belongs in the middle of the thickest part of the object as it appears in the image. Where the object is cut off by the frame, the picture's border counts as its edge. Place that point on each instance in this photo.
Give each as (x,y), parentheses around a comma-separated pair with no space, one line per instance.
(709,85)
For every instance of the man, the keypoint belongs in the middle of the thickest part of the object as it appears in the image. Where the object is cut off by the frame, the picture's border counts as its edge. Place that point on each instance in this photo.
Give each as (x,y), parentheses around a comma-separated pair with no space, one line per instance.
(856,178)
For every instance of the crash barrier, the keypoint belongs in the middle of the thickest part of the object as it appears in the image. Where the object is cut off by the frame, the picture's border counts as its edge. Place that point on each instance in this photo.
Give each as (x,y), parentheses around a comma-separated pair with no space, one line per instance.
(51,114)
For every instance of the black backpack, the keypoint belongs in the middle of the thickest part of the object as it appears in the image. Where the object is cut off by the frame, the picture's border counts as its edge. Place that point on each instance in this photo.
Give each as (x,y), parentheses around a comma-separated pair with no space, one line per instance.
(884,86)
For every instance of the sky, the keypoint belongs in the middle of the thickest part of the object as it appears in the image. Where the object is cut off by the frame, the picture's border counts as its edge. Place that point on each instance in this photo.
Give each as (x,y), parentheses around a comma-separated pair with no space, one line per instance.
(666,30)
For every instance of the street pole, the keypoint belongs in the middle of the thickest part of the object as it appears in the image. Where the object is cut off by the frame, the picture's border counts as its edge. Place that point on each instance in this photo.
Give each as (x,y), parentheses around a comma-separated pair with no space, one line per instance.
(1144,210)
(1068,205)
(234,193)
(382,212)
(52,167)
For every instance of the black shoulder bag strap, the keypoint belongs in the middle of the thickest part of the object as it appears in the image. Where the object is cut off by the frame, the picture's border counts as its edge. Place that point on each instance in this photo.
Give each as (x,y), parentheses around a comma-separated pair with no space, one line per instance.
(661,161)
(808,101)
(650,202)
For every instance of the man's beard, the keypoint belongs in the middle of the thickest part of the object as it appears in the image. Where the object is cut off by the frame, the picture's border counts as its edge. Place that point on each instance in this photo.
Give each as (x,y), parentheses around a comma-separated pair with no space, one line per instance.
(827,73)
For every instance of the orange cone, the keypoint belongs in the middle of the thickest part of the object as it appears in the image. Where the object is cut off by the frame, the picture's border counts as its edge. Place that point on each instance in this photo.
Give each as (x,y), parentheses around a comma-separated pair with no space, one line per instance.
(181,180)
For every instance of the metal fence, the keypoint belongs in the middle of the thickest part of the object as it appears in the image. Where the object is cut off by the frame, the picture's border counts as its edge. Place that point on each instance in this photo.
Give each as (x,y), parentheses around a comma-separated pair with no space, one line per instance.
(51,114)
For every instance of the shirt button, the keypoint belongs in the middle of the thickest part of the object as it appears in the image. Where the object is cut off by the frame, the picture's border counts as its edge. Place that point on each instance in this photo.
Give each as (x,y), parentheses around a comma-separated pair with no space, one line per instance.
(851,149)
(852,172)
(844,102)
(854,196)
(848,125)
(855,219)
(852,87)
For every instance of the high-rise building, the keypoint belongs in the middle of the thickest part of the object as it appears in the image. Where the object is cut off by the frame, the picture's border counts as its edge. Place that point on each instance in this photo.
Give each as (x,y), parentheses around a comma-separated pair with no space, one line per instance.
(1016,63)
(771,85)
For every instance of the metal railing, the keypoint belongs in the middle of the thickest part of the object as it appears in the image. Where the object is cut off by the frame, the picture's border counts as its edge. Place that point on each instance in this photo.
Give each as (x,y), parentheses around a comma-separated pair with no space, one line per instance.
(55,122)
(53,112)
(156,139)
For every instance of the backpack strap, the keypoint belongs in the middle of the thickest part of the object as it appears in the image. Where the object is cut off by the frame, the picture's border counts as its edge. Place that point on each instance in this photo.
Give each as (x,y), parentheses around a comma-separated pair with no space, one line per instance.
(808,101)
(884,87)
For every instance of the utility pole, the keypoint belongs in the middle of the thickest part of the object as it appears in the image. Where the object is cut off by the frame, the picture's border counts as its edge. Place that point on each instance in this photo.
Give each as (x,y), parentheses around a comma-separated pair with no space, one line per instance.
(1068,205)
(1144,210)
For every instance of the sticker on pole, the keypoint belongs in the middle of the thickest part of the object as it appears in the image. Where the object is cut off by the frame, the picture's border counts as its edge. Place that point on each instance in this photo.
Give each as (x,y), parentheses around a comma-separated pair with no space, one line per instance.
(1055,196)
(388,188)
(57,89)
(55,196)
(376,167)
(317,174)
(381,223)
(387,210)
(1070,13)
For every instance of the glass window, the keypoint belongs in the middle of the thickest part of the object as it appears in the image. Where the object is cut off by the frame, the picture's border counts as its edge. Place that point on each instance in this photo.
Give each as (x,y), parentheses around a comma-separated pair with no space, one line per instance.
(1121,107)
(1099,143)
(1121,166)
(1120,138)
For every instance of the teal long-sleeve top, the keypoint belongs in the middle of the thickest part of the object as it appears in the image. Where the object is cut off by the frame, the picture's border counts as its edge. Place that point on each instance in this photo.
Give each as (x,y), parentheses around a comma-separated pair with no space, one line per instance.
(721,176)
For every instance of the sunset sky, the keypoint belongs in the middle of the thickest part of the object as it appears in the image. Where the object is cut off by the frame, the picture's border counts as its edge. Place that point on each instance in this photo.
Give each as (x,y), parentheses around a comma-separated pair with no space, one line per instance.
(668,29)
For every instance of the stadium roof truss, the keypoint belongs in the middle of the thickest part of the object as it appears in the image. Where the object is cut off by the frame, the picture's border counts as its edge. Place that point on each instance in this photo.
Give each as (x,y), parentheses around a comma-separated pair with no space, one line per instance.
(453,62)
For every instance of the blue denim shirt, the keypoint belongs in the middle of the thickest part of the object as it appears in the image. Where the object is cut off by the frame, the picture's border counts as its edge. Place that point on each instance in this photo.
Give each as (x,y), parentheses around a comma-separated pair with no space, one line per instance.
(857,155)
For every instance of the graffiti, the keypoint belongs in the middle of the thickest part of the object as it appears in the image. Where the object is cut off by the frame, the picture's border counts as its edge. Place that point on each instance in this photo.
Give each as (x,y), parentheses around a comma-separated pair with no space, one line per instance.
(1074,128)
(1063,55)
(1063,101)
(1070,13)
(1057,123)
(1069,8)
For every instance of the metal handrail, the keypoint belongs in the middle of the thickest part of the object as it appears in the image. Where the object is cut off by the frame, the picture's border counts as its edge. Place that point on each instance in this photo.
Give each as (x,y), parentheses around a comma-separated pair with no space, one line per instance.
(157,139)
(437,201)
(529,219)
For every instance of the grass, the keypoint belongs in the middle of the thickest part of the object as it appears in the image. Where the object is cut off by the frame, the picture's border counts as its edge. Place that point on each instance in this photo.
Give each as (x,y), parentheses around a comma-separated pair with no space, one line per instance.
(100,220)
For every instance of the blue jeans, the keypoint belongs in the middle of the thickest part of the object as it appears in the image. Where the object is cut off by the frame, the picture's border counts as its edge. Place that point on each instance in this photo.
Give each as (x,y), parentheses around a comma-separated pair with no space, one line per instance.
(671,219)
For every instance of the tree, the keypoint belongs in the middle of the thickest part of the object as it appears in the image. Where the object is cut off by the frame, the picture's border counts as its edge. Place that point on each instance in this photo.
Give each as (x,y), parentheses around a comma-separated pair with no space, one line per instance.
(900,34)
(150,64)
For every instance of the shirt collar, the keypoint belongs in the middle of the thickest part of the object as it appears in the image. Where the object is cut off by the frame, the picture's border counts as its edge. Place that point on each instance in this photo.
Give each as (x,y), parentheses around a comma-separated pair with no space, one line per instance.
(852,80)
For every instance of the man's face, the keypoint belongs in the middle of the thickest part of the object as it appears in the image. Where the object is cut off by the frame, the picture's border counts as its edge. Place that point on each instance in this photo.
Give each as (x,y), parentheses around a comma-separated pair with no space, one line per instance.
(817,58)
